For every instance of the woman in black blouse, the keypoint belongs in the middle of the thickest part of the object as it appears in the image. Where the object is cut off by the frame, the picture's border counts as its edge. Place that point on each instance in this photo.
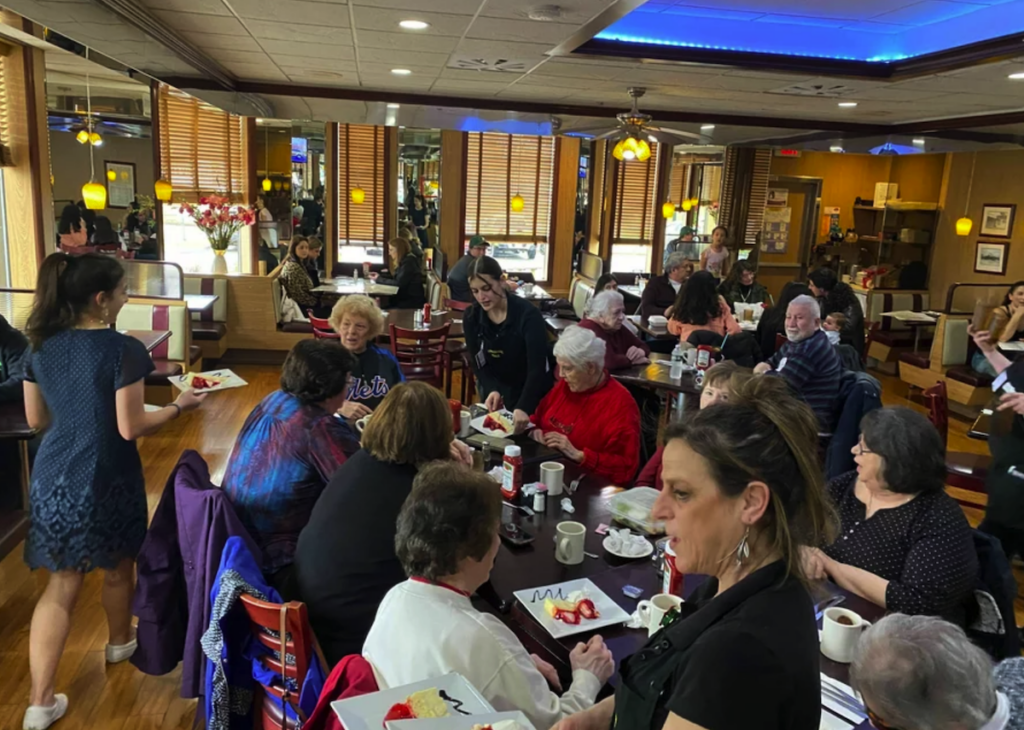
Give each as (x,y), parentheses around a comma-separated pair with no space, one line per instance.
(408,276)
(838,296)
(904,544)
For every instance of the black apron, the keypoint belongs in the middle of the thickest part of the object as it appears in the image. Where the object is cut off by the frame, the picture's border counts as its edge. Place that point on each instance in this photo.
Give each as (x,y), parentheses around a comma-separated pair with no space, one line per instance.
(1005,482)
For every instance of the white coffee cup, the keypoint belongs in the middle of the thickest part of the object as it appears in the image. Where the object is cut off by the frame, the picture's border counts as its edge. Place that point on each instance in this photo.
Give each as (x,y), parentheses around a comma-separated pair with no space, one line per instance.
(569,539)
(653,611)
(464,428)
(838,640)
(690,357)
(528,289)
(552,475)
(361,423)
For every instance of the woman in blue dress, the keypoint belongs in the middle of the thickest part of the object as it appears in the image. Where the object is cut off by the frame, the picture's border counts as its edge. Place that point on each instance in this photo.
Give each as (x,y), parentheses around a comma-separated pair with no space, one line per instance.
(84,390)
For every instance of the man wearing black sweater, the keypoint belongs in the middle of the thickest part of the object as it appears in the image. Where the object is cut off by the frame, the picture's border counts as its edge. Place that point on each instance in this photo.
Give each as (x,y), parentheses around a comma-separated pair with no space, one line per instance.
(660,292)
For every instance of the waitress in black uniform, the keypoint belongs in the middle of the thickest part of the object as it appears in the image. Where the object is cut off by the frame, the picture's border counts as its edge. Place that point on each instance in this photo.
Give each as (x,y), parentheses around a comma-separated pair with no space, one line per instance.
(742,491)
(508,342)
(1004,514)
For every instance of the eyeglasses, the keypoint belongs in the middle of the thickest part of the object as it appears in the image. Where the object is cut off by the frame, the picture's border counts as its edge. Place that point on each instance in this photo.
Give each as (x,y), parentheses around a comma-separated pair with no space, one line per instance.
(861,450)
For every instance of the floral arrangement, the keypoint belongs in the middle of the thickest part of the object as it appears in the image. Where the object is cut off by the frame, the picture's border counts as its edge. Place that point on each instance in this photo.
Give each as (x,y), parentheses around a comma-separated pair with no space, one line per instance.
(219,219)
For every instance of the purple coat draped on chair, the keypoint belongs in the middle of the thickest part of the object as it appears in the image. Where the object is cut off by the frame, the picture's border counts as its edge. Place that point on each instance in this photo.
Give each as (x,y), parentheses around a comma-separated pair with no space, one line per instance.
(177,567)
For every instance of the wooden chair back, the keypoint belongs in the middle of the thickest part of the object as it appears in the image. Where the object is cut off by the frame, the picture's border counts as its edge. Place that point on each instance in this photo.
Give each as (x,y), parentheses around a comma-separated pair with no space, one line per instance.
(322,329)
(938,408)
(780,340)
(421,353)
(457,306)
(282,626)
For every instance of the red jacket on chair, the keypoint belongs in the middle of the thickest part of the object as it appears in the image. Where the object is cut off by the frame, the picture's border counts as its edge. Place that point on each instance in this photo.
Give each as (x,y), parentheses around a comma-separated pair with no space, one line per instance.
(353,676)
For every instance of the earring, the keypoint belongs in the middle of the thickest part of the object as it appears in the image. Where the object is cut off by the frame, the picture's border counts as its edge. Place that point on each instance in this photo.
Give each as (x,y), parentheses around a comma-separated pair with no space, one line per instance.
(106,313)
(743,549)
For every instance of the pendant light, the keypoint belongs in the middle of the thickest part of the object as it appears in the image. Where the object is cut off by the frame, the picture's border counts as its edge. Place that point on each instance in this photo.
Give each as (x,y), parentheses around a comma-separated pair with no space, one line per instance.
(266,162)
(358,195)
(965,224)
(163,190)
(643,150)
(94,194)
(517,203)
(687,205)
(668,209)
(111,175)
(83,136)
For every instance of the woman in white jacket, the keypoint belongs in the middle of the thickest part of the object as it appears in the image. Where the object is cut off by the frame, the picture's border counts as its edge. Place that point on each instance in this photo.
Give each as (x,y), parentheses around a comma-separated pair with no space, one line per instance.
(426,627)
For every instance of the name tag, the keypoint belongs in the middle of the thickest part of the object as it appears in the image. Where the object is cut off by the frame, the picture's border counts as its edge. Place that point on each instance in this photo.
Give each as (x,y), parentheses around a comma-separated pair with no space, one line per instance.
(782,363)
(481,357)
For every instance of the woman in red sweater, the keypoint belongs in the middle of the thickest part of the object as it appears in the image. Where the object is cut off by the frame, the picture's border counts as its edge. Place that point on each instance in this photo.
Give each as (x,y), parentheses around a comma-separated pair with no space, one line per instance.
(606,315)
(588,416)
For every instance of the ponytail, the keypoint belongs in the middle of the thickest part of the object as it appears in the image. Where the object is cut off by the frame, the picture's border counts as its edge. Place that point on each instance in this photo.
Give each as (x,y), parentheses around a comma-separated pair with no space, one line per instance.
(66,288)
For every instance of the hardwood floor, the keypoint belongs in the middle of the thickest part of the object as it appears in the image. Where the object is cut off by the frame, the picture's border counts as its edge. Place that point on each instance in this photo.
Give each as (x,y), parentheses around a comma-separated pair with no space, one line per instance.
(121,698)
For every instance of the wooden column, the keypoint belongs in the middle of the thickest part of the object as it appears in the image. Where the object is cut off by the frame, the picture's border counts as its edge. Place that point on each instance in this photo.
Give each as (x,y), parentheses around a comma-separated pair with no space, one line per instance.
(27,190)
(252,189)
(563,213)
(158,171)
(453,194)
(611,191)
(661,190)
(331,196)
(597,200)
(390,183)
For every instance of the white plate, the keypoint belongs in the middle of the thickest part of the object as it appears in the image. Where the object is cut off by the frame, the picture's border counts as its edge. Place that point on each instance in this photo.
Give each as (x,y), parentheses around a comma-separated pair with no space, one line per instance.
(478,425)
(460,722)
(533,601)
(650,549)
(366,712)
(230,380)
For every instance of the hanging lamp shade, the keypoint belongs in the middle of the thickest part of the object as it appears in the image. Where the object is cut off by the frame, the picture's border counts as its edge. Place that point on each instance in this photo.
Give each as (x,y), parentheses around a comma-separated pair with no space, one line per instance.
(267,185)
(111,175)
(277,185)
(163,190)
(95,195)
(287,185)
(95,139)
(668,209)
(687,206)
(82,136)
(517,204)
(964,226)
(358,195)
(643,150)
(694,202)
(619,150)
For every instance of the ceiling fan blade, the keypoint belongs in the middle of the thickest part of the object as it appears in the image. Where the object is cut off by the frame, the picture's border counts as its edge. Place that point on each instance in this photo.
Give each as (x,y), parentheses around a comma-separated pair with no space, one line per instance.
(679,133)
(662,137)
(610,134)
(588,128)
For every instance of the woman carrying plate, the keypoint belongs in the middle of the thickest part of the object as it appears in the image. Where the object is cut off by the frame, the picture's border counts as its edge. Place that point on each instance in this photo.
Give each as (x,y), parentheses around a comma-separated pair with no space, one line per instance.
(742,492)
(447,541)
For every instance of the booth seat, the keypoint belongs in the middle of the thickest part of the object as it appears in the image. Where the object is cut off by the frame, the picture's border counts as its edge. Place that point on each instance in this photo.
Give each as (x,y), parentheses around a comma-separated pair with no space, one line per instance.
(291,327)
(209,328)
(174,356)
(580,292)
(948,361)
(893,338)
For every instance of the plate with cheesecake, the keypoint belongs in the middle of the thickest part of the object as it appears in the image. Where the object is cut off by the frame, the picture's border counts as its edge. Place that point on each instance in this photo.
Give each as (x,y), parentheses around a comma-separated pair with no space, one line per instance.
(450,695)
(571,607)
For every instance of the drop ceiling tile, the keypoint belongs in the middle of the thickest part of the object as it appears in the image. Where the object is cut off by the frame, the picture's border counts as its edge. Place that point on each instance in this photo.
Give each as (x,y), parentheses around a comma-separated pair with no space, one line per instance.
(298,34)
(318,64)
(897,95)
(523,31)
(403,58)
(205,7)
(208,41)
(386,20)
(454,7)
(418,76)
(293,11)
(261,72)
(320,78)
(78,12)
(195,23)
(237,57)
(407,41)
(342,50)
(387,81)
(458,74)
(505,49)
(578,12)
(583,71)
(465,89)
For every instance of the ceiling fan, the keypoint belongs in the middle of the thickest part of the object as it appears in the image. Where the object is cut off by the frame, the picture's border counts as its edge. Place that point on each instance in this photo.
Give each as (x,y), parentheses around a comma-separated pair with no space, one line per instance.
(633,131)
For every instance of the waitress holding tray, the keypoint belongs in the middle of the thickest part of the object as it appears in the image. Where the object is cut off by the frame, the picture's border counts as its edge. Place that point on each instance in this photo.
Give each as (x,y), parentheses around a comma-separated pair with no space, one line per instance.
(508,344)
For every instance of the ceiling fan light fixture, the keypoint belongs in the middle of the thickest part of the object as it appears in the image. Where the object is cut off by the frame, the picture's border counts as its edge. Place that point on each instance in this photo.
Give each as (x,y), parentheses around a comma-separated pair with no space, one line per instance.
(618,152)
(83,136)
(643,150)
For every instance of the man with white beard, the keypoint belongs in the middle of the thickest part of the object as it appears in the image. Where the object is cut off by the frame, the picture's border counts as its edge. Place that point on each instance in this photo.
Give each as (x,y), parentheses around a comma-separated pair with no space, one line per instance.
(808,362)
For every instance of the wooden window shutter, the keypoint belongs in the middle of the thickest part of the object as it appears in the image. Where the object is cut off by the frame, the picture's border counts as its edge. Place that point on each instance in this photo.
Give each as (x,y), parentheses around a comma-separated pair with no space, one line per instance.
(679,182)
(6,159)
(634,200)
(361,164)
(745,192)
(201,148)
(498,166)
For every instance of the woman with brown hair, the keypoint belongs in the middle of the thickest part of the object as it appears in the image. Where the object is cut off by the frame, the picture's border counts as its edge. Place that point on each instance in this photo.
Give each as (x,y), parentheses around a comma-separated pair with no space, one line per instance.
(296,282)
(743,491)
(408,276)
(345,561)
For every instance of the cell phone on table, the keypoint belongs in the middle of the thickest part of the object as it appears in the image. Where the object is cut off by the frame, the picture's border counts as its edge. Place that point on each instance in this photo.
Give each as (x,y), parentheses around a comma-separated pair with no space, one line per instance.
(515,534)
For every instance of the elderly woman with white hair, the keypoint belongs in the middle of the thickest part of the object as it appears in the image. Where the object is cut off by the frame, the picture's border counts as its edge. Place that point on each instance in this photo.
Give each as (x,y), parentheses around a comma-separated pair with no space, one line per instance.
(588,416)
(606,317)
(358,321)
(923,673)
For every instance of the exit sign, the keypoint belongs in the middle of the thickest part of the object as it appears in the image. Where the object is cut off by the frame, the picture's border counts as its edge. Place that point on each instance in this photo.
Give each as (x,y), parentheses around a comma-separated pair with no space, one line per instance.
(787,153)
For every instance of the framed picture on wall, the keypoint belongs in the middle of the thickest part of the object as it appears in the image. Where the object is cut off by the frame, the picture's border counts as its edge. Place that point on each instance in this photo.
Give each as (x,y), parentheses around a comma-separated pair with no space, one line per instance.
(120,179)
(997,219)
(990,257)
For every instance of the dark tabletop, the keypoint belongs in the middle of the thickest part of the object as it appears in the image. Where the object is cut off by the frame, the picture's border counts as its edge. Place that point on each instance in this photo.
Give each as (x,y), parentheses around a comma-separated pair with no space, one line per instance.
(403,318)
(537,295)
(150,338)
(656,375)
(657,333)
(13,424)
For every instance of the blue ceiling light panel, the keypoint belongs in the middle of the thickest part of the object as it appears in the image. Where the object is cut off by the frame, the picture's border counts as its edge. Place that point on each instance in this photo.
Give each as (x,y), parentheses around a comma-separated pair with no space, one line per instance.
(875,31)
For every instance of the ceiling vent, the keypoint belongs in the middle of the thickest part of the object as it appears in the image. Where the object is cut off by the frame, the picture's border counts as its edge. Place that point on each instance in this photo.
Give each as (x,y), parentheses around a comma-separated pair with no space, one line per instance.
(545,13)
(827,90)
(490,64)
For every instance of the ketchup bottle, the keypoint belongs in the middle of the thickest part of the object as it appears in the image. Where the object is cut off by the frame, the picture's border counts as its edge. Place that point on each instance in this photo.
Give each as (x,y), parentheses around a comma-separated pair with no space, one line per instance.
(426,314)
(512,474)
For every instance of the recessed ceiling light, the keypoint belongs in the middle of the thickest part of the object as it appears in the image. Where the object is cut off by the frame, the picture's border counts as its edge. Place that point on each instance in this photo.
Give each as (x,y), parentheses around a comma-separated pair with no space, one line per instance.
(1017,76)
(847,104)
(707,127)
(393,106)
(919,141)
(835,148)
(401,71)
(414,25)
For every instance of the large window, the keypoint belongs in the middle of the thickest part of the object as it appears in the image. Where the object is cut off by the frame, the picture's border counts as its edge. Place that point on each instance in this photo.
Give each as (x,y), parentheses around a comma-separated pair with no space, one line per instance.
(499,167)
(633,219)
(700,179)
(201,153)
(361,159)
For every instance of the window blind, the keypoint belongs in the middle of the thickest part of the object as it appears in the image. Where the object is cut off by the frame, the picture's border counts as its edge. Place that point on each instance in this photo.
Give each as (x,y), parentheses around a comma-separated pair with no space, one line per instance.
(745,192)
(6,159)
(201,147)
(634,200)
(498,166)
(679,181)
(361,164)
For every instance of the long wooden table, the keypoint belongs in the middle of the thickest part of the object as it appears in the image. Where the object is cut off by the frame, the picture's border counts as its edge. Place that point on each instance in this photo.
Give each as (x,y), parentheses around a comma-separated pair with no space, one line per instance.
(656,376)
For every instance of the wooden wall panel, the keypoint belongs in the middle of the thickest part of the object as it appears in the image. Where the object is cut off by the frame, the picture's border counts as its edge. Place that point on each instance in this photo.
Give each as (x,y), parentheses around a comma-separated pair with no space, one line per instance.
(661,195)
(598,201)
(453,194)
(563,213)
(331,195)
(919,176)
(251,186)
(390,183)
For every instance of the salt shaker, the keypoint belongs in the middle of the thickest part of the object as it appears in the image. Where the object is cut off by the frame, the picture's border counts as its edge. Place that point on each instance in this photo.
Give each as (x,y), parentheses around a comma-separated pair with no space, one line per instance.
(540,502)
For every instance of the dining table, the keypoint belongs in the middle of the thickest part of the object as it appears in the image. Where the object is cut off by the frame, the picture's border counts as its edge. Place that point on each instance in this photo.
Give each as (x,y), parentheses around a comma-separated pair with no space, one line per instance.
(534,565)
(199,303)
(656,376)
(150,338)
(344,286)
(631,291)
(653,332)
(537,294)
(406,319)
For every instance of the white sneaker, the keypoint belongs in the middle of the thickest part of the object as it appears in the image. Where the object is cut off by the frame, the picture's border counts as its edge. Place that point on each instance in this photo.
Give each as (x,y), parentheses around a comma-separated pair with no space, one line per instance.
(122,652)
(40,718)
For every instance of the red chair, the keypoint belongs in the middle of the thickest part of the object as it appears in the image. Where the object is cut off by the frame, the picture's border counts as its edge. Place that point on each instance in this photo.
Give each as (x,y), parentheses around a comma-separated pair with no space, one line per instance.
(422,354)
(456,305)
(963,471)
(291,622)
(780,340)
(321,328)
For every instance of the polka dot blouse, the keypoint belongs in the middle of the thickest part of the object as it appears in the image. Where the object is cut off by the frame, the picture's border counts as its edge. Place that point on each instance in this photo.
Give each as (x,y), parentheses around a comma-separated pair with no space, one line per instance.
(923,548)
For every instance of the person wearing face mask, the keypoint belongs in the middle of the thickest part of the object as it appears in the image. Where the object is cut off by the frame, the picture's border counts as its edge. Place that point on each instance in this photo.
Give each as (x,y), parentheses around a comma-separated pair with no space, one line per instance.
(447,540)
(808,362)
(906,545)
(508,342)
(605,317)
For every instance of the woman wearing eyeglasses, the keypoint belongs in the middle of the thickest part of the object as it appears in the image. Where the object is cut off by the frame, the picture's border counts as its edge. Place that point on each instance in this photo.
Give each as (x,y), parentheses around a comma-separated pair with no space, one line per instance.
(903,544)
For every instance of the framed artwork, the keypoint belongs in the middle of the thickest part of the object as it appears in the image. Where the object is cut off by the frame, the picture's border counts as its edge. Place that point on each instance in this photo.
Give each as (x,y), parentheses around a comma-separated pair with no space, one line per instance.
(120,179)
(997,219)
(990,257)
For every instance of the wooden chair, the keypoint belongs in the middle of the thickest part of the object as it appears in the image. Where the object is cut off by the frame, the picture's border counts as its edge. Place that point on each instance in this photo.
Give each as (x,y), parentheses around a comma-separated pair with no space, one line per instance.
(422,354)
(288,622)
(963,471)
(456,306)
(322,329)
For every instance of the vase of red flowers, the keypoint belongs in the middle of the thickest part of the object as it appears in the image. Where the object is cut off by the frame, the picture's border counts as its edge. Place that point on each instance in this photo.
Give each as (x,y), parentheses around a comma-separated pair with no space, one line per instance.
(220,220)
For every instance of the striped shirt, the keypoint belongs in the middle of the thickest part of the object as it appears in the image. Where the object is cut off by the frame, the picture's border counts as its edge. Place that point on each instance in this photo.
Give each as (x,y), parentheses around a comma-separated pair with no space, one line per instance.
(813,369)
